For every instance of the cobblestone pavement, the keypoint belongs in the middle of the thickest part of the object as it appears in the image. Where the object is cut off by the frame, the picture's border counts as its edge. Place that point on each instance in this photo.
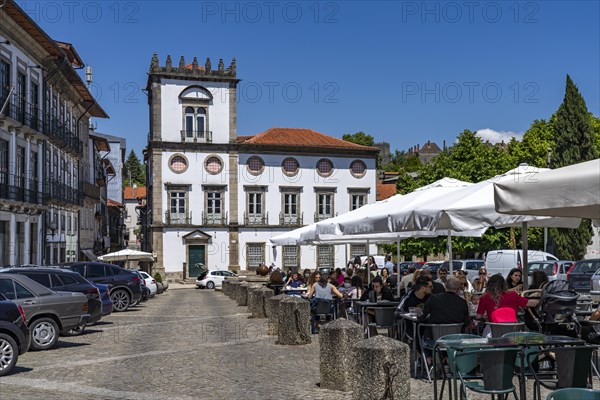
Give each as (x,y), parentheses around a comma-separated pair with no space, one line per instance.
(183,344)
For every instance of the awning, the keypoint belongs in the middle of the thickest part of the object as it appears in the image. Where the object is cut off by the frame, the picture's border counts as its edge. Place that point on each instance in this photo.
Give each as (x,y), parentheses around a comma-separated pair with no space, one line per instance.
(89,254)
(100,143)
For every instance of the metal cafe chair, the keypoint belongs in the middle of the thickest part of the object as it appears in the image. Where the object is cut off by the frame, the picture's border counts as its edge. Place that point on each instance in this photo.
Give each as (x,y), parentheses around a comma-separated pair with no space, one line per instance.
(500,329)
(384,318)
(437,331)
(497,367)
(573,369)
(467,365)
(574,394)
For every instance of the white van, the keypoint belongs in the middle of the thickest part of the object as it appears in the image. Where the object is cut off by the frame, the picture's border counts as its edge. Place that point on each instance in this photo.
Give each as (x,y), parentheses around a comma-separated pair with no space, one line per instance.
(502,261)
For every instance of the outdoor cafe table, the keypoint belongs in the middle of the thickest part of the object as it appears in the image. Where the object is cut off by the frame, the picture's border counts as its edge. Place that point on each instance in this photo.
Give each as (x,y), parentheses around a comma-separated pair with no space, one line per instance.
(513,341)
(410,317)
(294,291)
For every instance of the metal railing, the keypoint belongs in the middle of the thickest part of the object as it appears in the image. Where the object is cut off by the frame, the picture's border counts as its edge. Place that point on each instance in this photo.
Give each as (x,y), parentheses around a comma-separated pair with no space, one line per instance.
(291,219)
(178,218)
(321,217)
(28,114)
(196,136)
(214,219)
(17,188)
(256,219)
(64,193)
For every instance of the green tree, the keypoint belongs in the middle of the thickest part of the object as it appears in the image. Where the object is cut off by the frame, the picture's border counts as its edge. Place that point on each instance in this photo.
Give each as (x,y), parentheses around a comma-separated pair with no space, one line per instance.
(575,143)
(135,170)
(359,138)
(533,148)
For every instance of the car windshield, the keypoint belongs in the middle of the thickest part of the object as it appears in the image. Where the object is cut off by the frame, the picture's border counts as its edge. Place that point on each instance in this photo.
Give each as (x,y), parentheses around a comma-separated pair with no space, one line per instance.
(586,267)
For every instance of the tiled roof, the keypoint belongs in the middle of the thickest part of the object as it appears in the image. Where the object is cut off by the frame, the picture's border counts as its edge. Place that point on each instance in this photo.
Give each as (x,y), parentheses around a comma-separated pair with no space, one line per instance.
(385,190)
(131,193)
(430,148)
(301,137)
(112,203)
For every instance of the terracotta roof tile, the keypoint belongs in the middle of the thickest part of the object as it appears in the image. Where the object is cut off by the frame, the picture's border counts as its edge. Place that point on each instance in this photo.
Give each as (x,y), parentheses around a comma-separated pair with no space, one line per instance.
(385,190)
(112,203)
(131,193)
(301,137)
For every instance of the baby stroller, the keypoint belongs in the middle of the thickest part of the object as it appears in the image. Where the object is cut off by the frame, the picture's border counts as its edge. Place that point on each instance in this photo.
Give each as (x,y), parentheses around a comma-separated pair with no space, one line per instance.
(555,314)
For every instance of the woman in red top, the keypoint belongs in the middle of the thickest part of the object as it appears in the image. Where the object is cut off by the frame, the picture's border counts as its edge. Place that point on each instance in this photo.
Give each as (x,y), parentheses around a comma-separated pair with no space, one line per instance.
(497,296)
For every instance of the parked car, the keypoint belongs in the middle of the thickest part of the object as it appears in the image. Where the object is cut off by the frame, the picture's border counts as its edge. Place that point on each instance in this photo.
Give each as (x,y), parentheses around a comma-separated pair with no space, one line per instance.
(124,285)
(47,312)
(14,335)
(66,281)
(595,287)
(404,266)
(471,266)
(107,304)
(554,269)
(150,283)
(502,261)
(580,274)
(213,279)
(433,266)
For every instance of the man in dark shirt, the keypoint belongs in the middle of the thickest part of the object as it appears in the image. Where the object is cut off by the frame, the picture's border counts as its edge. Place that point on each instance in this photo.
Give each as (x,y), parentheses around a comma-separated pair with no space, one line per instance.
(446,308)
(437,287)
(419,294)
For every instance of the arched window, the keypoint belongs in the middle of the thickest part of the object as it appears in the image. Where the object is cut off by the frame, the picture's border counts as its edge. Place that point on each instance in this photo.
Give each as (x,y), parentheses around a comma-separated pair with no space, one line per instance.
(189,121)
(201,121)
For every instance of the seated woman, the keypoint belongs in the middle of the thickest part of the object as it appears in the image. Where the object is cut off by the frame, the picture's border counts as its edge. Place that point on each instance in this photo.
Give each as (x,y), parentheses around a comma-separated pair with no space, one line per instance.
(385,276)
(275,281)
(480,283)
(321,290)
(514,283)
(295,281)
(497,297)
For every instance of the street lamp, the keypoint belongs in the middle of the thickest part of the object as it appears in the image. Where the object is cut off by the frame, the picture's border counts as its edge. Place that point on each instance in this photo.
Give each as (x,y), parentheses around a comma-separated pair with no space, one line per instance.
(53,227)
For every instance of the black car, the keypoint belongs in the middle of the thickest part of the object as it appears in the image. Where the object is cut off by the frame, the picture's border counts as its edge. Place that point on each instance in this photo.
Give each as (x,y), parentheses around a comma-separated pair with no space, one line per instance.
(125,285)
(14,335)
(580,274)
(66,281)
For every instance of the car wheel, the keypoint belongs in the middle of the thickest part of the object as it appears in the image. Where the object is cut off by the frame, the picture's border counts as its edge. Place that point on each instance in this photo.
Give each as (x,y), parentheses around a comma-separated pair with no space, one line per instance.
(210,285)
(44,333)
(120,299)
(9,353)
(78,330)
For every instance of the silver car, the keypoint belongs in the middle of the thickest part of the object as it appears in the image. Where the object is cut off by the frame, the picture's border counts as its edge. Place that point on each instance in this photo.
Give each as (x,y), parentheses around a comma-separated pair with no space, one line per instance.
(554,270)
(595,291)
(47,312)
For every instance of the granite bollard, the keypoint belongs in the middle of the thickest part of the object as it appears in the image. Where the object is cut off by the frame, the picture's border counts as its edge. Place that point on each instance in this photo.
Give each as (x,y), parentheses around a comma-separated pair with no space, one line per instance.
(257,299)
(233,290)
(273,312)
(382,369)
(242,294)
(293,326)
(225,287)
(337,340)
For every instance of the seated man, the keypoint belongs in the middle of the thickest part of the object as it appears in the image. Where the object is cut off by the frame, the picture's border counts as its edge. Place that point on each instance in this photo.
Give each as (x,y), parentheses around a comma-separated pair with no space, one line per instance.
(376,293)
(416,299)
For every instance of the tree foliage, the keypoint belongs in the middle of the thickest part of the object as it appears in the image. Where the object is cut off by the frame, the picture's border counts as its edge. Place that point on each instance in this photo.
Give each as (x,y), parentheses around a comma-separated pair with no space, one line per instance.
(135,169)
(359,138)
(576,142)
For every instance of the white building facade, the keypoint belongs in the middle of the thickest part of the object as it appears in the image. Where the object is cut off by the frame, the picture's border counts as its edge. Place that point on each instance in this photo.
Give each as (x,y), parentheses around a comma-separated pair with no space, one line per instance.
(216,198)
(44,115)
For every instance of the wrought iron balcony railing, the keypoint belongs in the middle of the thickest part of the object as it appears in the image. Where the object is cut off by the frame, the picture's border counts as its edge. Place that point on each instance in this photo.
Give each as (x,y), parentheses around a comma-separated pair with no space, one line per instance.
(196,136)
(184,218)
(291,219)
(256,219)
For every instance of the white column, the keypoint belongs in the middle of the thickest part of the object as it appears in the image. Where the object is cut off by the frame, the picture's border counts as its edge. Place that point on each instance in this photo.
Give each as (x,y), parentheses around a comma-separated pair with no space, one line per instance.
(28,164)
(12,158)
(41,234)
(40,171)
(27,242)
(13,240)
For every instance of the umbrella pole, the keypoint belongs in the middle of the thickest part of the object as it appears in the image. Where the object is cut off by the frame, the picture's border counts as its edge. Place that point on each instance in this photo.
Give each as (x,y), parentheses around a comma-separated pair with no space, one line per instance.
(368,269)
(450,264)
(398,268)
(525,267)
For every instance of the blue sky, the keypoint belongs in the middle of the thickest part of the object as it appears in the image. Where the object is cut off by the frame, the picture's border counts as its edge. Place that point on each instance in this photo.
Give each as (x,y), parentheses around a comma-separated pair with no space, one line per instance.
(405,72)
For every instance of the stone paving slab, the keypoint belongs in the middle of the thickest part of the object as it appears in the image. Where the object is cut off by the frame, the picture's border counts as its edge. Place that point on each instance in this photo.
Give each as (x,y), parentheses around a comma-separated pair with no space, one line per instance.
(183,344)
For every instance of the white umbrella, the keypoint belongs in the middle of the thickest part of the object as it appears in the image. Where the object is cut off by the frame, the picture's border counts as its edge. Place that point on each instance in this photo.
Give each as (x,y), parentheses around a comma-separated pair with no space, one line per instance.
(127,255)
(572,191)
(386,214)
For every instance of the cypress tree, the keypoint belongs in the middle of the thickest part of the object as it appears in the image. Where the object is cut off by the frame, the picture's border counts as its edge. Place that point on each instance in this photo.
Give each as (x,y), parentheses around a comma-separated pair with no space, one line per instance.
(574,134)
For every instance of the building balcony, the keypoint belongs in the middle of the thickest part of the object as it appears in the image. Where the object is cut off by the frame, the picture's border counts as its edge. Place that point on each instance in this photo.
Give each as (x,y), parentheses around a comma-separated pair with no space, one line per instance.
(214,219)
(256,219)
(59,133)
(196,136)
(322,217)
(63,193)
(178,218)
(291,219)
(23,112)
(19,189)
